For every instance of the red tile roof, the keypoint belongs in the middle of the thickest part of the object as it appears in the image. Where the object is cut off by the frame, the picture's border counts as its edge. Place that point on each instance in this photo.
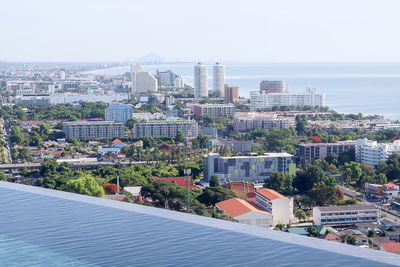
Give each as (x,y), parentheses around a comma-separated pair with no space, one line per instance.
(179,181)
(117,141)
(269,193)
(235,207)
(391,247)
(329,236)
(390,185)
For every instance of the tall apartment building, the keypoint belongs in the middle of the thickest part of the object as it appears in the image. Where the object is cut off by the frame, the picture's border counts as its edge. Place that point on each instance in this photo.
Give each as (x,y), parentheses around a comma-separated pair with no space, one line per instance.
(278,205)
(142,81)
(219,78)
(118,113)
(260,100)
(273,87)
(231,93)
(92,130)
(214,110)
(167,128)
(247,121)
(168,79)
(345,214)
(371,152)
(310,151)
(200,81)
(254,168)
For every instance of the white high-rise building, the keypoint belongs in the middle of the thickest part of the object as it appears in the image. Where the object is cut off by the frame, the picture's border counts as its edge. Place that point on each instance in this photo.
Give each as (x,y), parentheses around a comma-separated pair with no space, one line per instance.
(63,75)
(142,81)
(261,100)
(200,81)
(219,78)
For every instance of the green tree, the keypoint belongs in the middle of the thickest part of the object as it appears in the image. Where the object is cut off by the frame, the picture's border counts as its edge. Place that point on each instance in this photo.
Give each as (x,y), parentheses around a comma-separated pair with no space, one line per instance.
(16,135)
(179,137)
(48,167)
(280,182)
(306,179)
(213,195)
(313,232)
(85,185)
(214,181)
(131,123)
(351,239)
(323,194)
(300,214)
(371,233)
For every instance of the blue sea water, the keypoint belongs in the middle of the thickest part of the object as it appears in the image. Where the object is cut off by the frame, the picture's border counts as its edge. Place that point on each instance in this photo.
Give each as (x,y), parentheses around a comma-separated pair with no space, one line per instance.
(369,88)
(41,227)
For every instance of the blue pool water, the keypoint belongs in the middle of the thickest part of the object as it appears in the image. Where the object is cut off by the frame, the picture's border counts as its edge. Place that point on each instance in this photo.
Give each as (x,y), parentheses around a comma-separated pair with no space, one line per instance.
(41,227)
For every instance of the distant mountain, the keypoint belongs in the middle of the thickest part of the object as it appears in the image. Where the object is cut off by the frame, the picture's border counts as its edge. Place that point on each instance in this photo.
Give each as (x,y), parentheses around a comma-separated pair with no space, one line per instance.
(150,59)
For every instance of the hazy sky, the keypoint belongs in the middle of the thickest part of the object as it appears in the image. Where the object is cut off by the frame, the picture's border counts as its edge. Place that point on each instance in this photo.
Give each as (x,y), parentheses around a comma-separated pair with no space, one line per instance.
(245,30)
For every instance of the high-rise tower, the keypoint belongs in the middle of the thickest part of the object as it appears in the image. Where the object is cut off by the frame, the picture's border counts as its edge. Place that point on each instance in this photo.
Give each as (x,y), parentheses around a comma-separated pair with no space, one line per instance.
(219,78)
(200,81)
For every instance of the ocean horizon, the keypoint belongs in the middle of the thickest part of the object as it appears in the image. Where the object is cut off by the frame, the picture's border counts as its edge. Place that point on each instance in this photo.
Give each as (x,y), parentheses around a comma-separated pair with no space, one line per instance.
(369,88)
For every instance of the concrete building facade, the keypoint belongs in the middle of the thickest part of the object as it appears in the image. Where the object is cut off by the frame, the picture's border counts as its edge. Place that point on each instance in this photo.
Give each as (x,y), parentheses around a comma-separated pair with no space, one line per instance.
(371,152)
(310,151)
(345,214)
(278,205)
(214,110)
(93,130)
(244,212)
(254,168)
(247,121)
(167,128)
(118,113)
(261,100)
(231,93)
(273,87)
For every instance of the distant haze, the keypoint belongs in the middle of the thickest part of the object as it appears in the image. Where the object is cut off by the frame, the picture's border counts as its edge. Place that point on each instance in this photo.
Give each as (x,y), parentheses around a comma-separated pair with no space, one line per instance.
(206,30)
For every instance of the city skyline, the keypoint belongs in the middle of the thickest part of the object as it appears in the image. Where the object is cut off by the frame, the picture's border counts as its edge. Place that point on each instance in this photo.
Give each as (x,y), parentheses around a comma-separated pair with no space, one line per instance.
(264,31)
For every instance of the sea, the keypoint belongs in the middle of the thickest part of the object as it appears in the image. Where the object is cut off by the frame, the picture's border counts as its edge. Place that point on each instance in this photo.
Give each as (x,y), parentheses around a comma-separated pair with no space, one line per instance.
(367,88)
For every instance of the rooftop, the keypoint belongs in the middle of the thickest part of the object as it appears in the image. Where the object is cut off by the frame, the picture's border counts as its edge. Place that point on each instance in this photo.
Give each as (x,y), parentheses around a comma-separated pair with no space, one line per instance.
(269,193)
(91,122)
(235,207)
(119,107)
(54,228)
(347,208)
(391,247)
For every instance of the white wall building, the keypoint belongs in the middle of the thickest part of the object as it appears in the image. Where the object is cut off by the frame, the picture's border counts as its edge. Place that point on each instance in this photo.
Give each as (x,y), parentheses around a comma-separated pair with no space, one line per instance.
(219,78)
(260,100)
(371,152)
(278,205)
(142,81)
(200,81)
(345,214)
(244,212)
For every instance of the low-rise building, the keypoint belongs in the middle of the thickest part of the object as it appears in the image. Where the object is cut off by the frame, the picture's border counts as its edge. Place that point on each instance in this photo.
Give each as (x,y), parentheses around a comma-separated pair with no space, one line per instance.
(92,130)
(247,121)
(336,215)
(277,204)
(214,110)
(262,100)
(244,212)
(255,168)
(183,181)
(310,151)
(109,154)
(167,128)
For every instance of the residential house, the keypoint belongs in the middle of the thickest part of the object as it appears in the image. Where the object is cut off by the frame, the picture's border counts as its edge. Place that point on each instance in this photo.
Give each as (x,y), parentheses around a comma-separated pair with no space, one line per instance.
(278,205)
(244,212)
